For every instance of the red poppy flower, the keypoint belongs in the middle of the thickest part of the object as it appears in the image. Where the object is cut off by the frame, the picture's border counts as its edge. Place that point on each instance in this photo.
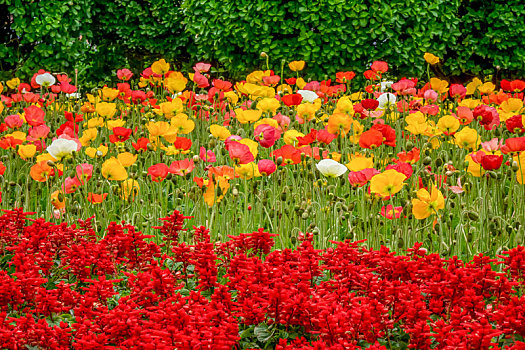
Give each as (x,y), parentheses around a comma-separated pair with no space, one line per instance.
(124,74)
(201,80)
(266,135)
(292,100)
(389,134)
(457,91)
(158,172)
(513,86)
(371,75)
(138,96)
(76,118)
(408,157)
(34,115)
(403,168)
(240,153)
(182,143)
(266,166)
(290,81)
(371,139)
(379,67)
(515,124)
(308,138)
(325,137)
(344,77)
(7,142)
(513,145)
(361,178)
(120,134)
(141,144)
(96,198)
(370,104)
(491,161)
(289,154)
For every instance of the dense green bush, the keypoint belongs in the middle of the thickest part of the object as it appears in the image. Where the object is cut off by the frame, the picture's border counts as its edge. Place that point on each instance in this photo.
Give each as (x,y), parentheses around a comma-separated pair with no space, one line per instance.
(97,37)
(329,35)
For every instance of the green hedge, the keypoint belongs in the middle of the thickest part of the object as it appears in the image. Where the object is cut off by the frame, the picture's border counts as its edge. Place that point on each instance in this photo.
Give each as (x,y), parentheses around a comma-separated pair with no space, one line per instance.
(97,37)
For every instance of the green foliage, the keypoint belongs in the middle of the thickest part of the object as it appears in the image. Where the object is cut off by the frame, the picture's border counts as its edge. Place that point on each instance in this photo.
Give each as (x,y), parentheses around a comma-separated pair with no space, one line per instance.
(329,35)
(97,37)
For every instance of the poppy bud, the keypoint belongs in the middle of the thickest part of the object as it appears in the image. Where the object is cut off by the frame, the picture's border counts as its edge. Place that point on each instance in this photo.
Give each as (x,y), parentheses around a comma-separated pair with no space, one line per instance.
(473,215)
(427,160)
(515,166)
(279,161)
(439,162)
(51,163)
(264,54)
(400,242)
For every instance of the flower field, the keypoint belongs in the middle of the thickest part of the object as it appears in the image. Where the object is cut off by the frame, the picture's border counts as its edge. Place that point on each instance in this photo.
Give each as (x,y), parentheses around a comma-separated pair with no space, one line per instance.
(128,211)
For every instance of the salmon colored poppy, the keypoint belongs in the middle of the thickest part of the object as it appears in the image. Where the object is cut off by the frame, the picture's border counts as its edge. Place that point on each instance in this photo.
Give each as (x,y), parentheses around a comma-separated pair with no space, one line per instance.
(182,167)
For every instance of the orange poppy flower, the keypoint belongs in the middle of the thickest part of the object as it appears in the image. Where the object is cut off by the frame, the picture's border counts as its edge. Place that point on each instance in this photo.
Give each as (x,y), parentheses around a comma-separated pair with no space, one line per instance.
(41,171)
(96,198)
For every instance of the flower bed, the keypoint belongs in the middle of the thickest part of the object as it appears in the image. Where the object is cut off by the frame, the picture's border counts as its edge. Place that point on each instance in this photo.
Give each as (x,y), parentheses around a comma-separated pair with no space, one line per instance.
(393,162)
(62,288)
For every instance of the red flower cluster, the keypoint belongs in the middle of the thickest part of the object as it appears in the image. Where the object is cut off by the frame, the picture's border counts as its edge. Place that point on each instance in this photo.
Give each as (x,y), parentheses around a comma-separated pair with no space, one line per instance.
(62,288)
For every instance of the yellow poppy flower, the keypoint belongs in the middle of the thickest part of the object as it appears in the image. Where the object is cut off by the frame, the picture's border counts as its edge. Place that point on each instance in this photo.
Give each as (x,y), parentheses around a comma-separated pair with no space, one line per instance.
(106,109)
(127,159)
(113,170)
(182,123)
(300,83)
(220,132)
(438,85)
(266,121)
(129,188)
(427,203)
(296,66)
(467,138)
(290,136)
(430,58)
(473,85)
(13,83)
(176,83)
(247,171)
(247,116)
(115,123)
(94,122)
(360,163)
(169,109)
(98,152)
(387,183)
(26,151)
(231,97)
(486,88)
(448,124)
(108,94)
(88,135)
(268,105)
(160,67)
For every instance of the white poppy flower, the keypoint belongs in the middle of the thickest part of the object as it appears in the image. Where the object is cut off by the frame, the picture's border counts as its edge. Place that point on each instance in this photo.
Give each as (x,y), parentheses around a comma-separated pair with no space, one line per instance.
(61,148)
(308,96)
(385,85)
(331,168)
(386,99)
(45,80)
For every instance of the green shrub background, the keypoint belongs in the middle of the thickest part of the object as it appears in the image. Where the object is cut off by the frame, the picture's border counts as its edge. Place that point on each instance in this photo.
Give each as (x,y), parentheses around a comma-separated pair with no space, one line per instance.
(97,37)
